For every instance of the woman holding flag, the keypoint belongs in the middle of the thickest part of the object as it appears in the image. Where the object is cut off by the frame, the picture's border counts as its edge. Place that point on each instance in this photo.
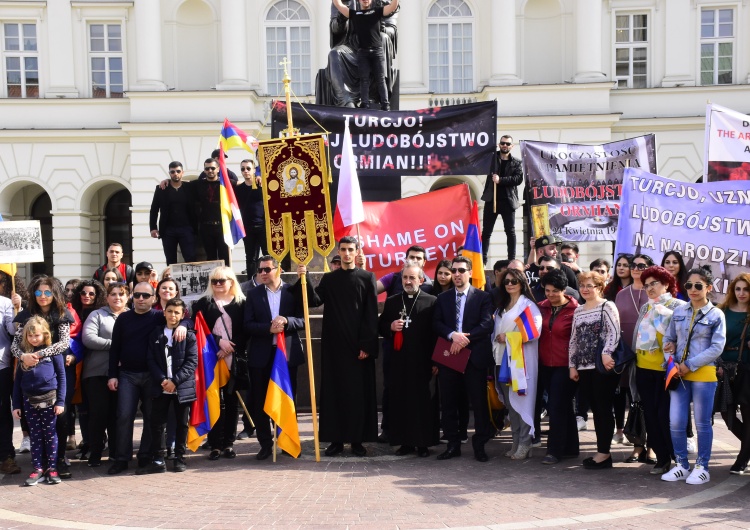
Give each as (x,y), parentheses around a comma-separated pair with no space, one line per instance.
(515,344)
(223,308)
(694,340)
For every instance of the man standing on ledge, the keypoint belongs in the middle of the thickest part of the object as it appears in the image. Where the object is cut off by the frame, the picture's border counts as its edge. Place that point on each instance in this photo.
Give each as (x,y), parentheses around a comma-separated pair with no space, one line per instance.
(507,175)
(349,345)
(370,56)
(171,206)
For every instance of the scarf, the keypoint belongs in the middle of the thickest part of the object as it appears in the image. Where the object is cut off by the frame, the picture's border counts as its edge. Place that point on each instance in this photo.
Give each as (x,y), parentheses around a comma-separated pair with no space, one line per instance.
(654,323)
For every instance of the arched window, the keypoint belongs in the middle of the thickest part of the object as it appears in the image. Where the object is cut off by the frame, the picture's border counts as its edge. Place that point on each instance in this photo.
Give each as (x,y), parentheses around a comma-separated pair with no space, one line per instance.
(118,224)
(41,211)
(288,35)
(450,47)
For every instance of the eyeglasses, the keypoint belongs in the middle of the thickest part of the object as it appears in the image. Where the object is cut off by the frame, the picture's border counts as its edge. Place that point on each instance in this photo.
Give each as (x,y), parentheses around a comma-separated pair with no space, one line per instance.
(639,266)
(547,268)
(174,171)
(45,293)
(505,143)
(142,295)
(459,270)
(587,287)
(209,168)
(88,293)
(652,284)
(698,286)
(510,281)
(218,281)
(266,269)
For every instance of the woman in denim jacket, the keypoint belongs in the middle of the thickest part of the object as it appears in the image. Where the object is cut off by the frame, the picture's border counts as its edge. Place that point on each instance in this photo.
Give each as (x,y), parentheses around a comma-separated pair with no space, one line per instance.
(696,367)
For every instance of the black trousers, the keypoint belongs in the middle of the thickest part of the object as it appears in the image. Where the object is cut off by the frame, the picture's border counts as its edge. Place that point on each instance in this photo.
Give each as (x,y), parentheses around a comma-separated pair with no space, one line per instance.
(6,418)
(255,242)
(102,415)
(655,403)
(224,431)
(562,439)
(600,390)
(172,236)
(160,406)
(488,225)
(213,243)
(371,60)
(61,426)
(451,391)
(259,378)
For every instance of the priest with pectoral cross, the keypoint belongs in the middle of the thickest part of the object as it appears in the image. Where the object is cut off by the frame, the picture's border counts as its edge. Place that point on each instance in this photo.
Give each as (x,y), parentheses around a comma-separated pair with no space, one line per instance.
(407,322)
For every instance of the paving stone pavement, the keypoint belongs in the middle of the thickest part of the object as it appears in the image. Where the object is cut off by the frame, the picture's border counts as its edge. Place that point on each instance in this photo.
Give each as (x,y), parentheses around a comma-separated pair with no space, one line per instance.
(383,491)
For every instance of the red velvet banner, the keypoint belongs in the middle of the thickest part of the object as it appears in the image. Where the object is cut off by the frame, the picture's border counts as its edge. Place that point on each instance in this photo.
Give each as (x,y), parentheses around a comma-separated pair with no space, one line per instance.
(437,221)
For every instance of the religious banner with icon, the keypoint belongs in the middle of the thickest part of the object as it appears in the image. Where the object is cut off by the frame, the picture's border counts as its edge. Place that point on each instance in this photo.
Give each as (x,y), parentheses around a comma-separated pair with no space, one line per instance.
(297,203)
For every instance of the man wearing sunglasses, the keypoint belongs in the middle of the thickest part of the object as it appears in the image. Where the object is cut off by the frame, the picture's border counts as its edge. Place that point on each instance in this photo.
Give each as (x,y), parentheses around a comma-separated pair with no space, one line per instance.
(270,309)
(206,197)
(500,196)
(172,207)
(463,316)
(250,201)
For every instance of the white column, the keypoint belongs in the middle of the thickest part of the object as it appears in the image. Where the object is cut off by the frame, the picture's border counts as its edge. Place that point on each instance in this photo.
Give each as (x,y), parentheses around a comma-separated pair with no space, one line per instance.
(411,48)
(589,41)
(677,61)
(70,241)
(503,43)
(233,45)
(149,73)
(59,24)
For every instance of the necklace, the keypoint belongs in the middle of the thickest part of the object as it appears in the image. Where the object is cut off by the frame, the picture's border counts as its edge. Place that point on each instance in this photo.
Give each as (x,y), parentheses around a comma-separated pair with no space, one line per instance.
(406,317)
(637,306)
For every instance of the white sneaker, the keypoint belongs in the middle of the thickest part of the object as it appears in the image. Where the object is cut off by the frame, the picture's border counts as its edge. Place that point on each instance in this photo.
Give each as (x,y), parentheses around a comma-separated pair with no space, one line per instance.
(692,447)
(699,476)
(581,423)
(618,438)
(675,474)
(25,445)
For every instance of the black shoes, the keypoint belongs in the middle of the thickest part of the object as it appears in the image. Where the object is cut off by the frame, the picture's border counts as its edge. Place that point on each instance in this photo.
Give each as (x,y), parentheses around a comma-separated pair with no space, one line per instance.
(63,469)
(738,468)
(214,454)
(117,467)
(550,460)
(451,452)
(358,449)
(404,450)
(423,452)
(179,465)
(590,463)
(334,449)
(480,455)
(229,453)
(157,466)
(265,452)
(383,438)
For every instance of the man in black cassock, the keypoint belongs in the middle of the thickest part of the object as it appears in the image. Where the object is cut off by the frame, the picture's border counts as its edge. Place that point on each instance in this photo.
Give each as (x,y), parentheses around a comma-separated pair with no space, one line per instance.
(406,323)
(348,403)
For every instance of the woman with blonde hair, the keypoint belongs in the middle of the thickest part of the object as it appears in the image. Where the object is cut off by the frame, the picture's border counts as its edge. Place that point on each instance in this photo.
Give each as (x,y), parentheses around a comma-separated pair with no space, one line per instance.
(223,309)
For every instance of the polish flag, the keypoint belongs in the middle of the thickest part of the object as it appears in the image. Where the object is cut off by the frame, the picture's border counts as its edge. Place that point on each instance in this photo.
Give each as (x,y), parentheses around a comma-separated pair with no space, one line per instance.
(349,208)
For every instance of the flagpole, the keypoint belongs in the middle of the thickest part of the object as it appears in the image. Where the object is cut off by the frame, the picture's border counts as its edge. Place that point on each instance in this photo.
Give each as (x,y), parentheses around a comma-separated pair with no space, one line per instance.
(274,441)
(361,251)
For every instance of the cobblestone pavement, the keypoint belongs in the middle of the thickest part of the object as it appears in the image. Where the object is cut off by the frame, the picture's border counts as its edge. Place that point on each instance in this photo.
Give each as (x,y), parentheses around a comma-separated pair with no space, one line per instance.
(383,491)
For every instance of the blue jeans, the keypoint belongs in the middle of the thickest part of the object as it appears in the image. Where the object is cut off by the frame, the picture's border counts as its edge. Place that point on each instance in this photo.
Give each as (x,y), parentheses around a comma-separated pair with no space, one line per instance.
(702,397)
(131,388)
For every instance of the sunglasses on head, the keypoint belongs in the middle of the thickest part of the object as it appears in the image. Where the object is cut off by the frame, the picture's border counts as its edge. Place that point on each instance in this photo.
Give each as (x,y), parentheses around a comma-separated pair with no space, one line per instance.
(218,281)
(510,281)
(40,293)
(698,286)
(142,295)
(266,269)
(459,270)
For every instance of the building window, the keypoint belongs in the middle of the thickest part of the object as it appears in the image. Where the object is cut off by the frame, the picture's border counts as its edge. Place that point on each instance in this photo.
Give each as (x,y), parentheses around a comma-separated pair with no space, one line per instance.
(631,51)
(21,60)
(106,56)
(450,53)
(288,35)
(717,46)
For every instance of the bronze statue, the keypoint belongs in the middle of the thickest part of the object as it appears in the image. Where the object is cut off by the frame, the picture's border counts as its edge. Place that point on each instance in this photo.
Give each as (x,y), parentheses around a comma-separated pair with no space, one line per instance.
(338,84)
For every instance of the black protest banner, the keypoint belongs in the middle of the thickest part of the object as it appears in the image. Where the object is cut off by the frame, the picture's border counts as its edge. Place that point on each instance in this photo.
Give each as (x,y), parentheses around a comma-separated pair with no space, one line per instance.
(453,140)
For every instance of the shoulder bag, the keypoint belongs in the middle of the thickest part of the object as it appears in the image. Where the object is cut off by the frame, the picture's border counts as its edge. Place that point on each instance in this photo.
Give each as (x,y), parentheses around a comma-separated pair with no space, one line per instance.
(623,354)
(676,380)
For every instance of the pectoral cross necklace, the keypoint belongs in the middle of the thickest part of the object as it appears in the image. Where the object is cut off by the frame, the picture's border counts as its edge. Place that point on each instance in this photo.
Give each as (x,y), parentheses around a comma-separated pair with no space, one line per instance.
(406,317)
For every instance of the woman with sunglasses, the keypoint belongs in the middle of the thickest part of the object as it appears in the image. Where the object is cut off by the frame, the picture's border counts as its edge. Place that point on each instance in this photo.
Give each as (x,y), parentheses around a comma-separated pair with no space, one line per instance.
(695,339)
(557,325)
(620,278)
(673,262)
(596,331)
(514,299)
(629,302)
(223,308)
(89,296)
(111,275)
(46,299)
(653,320)
(736,308)
(97,338)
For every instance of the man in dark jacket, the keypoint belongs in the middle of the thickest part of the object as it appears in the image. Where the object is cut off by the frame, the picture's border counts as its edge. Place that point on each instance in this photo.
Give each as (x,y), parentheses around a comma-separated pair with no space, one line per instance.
(507,175)
(172,207)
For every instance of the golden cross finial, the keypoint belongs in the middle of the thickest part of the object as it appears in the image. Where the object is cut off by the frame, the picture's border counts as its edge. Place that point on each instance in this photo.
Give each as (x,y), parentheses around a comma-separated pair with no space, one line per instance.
(286,62)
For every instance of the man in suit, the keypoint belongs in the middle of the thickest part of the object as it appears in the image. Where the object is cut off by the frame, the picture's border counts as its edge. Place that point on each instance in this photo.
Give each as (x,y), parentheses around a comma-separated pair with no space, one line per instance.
(463,316)
(270,308)
(172,205)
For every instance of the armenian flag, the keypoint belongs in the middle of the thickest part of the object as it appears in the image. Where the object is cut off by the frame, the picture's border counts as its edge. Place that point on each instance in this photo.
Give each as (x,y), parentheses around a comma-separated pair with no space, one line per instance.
(473,249)
(231,218)
(671,371)
(279,403)
(210,375)
(525,324)
(233,136)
